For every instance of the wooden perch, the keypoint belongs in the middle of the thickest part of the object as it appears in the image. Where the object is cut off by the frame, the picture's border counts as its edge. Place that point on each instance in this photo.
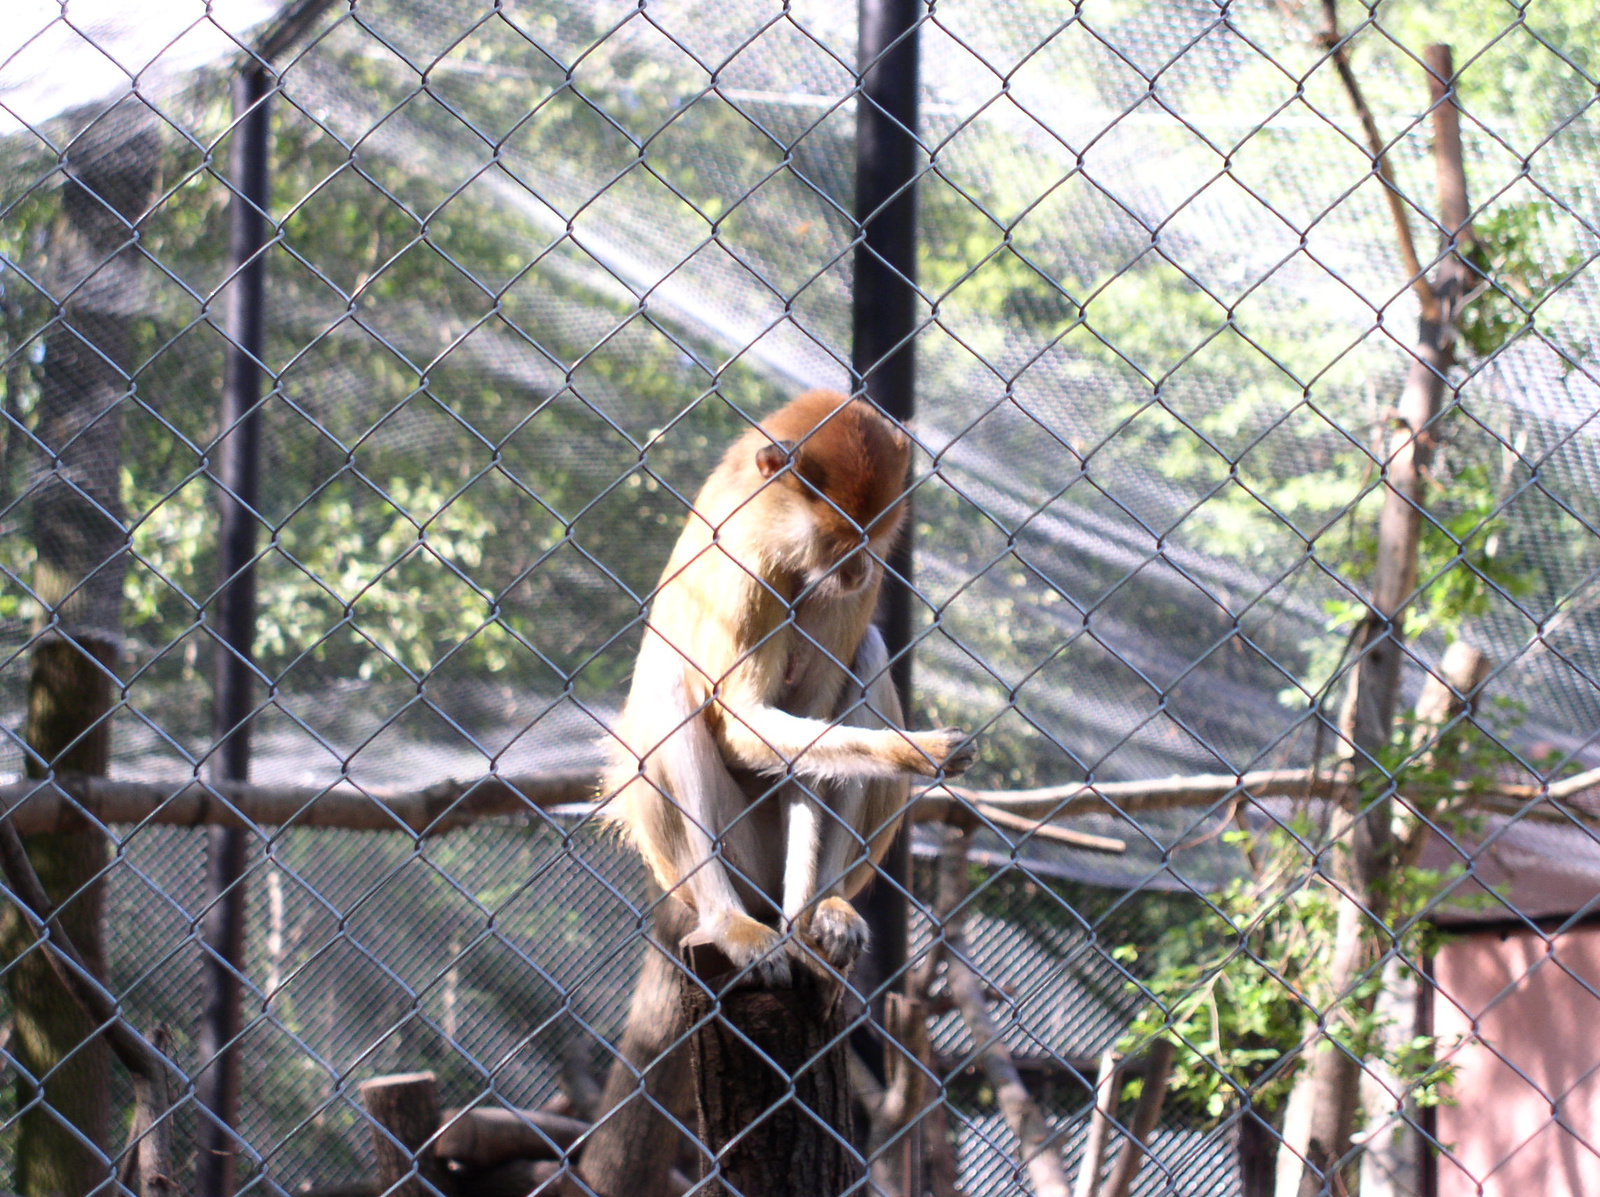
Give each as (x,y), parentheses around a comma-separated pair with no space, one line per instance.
(489,1135)
(772,1082)
(944,804)
(34,807)
(1046,831)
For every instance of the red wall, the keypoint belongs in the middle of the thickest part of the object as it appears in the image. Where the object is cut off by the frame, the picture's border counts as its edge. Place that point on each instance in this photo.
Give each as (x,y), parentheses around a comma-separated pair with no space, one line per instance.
(1525,1026)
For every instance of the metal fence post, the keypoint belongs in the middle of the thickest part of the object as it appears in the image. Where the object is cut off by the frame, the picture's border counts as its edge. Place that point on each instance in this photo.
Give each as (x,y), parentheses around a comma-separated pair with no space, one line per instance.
(237,467)
(883,359)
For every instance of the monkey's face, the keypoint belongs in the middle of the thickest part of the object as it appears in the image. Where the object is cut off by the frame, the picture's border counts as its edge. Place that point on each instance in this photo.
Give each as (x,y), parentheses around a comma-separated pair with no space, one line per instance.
(840,550)
(843,566)
(833,475)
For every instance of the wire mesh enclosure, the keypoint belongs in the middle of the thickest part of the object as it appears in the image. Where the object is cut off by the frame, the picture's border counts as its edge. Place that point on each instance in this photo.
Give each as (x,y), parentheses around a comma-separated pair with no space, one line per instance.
(360,365)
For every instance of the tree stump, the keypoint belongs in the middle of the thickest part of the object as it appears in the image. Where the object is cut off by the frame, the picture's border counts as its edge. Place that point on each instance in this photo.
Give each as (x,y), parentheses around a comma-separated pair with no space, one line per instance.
(405,1111)
(771,1079)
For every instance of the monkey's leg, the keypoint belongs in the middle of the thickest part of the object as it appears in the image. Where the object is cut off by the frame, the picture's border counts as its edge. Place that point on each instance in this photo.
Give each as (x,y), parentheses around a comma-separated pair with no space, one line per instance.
(841,825)
(817,832)
(690,771)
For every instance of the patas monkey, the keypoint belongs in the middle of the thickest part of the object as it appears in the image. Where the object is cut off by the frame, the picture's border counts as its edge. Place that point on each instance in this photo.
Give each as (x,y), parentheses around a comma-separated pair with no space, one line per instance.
(760,769)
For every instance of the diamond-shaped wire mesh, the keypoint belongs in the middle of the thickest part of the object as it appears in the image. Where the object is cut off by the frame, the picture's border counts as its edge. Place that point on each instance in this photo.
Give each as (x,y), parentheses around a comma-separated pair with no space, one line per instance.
(530,267)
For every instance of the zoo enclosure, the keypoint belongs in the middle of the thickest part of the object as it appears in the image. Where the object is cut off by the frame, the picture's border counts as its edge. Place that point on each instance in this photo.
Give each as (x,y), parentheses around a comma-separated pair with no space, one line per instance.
(525,271)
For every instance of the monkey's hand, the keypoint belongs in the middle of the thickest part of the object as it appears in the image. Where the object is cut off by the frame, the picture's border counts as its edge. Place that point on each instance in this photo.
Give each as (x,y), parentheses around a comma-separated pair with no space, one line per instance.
(750,944)
(949,749)
(839,934)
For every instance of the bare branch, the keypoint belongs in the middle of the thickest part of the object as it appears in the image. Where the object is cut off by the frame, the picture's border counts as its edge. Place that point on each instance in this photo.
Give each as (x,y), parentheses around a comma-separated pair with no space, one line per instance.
(1337,51)
(1108,1083)
(1145,1116)
(1037,827)
(136,1052)
(1036,1145)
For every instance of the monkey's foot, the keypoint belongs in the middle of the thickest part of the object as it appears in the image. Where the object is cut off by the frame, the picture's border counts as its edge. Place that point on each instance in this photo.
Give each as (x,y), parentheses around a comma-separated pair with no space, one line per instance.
(839,933)
(751,945)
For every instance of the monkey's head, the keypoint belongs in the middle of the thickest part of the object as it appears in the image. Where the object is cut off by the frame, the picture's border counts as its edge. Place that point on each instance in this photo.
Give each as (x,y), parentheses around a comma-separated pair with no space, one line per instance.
(833,474)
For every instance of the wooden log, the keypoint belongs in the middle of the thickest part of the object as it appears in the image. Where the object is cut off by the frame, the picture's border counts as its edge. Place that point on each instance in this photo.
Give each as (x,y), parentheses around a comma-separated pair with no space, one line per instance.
(953,804)
(512,1178)
(490,1135)
(405,1117)
(37,807)
(539,1178)
(772,1084)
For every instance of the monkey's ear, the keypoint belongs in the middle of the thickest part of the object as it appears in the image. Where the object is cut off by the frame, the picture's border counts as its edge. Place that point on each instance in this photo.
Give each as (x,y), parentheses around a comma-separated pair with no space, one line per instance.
(772,458)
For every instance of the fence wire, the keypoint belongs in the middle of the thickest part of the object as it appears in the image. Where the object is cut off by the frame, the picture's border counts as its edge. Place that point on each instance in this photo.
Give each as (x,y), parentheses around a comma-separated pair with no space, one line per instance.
(529,267)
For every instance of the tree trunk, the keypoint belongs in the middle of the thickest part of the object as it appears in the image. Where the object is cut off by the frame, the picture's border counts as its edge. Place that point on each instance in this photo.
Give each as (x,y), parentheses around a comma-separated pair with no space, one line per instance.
(771,1079)
(633,1146)
(79,540)
(1327,1096)
(69,697)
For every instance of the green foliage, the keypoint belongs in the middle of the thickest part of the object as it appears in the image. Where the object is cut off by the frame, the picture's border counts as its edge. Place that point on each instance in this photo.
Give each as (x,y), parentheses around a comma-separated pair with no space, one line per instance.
(418,510)
(1236,988)
(1512,250)
(1229,989)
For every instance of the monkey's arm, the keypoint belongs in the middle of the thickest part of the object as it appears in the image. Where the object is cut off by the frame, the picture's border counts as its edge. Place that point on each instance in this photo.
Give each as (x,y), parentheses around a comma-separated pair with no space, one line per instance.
(757,735)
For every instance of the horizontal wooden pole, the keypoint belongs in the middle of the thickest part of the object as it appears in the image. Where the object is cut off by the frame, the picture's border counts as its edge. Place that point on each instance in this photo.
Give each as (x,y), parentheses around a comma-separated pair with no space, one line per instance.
(1558,791)
(41,806)
(941,803)
(490,1135)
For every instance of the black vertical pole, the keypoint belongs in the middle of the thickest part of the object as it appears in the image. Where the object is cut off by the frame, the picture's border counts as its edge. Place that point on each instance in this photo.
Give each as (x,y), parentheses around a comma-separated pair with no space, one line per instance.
(236,466)
(883,320)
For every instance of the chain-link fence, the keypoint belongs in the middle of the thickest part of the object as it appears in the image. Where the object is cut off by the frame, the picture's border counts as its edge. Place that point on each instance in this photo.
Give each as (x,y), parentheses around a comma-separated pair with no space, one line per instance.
(360,365)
